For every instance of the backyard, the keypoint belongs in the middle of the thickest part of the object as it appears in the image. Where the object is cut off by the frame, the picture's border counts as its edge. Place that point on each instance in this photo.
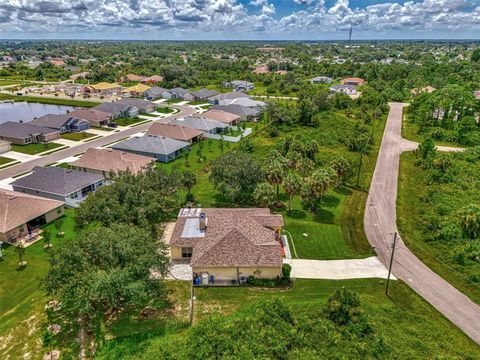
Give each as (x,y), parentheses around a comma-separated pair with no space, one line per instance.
(35,149)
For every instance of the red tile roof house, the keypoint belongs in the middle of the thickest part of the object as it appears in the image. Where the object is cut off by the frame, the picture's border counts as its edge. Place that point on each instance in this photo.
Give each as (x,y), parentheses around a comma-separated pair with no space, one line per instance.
(352,81)
(176,132)
(228,244)
(105,161)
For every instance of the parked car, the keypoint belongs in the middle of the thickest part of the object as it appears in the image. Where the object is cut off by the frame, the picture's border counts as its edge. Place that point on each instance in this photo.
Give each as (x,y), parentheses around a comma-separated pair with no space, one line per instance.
(112,125)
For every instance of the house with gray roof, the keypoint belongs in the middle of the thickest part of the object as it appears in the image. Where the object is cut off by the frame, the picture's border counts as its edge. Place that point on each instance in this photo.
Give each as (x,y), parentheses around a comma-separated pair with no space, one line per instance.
(69,186)
(155,92)
(118,109)
(345,89)
(26,133)
(161,148)
(321,80)
(245,113)
(143,106)
(226,96)
(62,123)
(200,123)
(204,94)
(240,85)
(175,93)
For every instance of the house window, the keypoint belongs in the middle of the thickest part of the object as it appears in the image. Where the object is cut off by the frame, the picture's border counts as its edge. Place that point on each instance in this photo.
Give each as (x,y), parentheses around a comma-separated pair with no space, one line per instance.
(186,252)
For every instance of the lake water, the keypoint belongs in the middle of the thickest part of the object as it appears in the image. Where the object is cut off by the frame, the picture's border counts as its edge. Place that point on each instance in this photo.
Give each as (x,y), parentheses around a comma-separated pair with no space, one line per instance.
(28,111)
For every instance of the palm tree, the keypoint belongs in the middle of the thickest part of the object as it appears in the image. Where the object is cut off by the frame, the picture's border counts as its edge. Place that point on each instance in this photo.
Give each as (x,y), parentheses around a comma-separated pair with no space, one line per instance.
(275,173)
(46,238)
(292,185)
(317,185)
(341,166)
(470,220)
(20,250)
(264,194)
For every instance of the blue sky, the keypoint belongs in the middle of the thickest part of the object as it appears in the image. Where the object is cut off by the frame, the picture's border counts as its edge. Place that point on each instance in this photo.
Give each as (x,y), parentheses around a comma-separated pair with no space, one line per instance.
(239,19)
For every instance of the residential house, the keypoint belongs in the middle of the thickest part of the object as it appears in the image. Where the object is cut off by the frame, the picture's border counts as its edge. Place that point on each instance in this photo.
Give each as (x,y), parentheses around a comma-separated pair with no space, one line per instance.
(155,79)
(225,245)
(240,85)
(222,116)
(204,94)
(132,78)
(105,161)
(244,101)
(143,106)
(161,148)
(176,132)
(355,81)
(117,109)
(105,89)
(62,123)
(262,69)
(155,92)
(226,96)
(345,89)
(4,146)
(66,185)
(21,216)
(175,93)
(200,123)
(321,80)
(427,89)
(94,117)
(136,90)
(26,133)
(245,113)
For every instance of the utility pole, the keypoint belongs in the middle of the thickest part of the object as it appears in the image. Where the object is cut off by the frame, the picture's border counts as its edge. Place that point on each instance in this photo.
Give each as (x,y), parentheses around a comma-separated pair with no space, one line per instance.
(350,34)
(391,261)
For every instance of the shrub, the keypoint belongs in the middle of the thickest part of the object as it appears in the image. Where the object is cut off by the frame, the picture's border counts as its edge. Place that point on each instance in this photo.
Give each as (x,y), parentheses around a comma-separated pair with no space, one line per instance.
(286,270)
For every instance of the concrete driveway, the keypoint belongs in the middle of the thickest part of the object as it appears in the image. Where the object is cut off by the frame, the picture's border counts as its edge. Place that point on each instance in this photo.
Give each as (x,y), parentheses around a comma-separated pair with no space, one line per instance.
(338,269)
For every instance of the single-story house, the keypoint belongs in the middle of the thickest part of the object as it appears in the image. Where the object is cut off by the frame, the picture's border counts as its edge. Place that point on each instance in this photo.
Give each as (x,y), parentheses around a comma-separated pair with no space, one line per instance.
(352,81)
(136,90)
(261,69)
(215,100)
(62,123)
(175,93)
(82,75)
(200,123)
(321,80)
(228,244)
(155,92)
(117,109)
(222,116)
(239,85)
(105,161)
(93,116)
(26,133)
(176,132)
(346,89)
(161,148)
(427,89)
(104,88)
(244,101)
(143,106)
(245,113)
(132,77)
(22,214)
(69,186)
(204,94)
(155,79)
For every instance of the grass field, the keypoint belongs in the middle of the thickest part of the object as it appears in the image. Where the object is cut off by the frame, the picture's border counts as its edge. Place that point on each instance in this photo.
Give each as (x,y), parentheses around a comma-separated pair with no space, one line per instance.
(128,121)
(45,100)
(77,136)
(4,82)
(34,149)
(423,206)
(410,326)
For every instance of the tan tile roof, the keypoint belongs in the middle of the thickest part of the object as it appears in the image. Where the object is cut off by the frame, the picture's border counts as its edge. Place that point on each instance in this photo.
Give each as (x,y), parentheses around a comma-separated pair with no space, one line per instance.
(173,131)
(113,160)
(222,116)
(90,114)
(17,208)
(234,237)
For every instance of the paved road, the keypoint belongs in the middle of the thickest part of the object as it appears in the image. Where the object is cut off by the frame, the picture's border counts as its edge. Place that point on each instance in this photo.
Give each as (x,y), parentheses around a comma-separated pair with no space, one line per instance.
(380,225)
(337,269)
(62,154)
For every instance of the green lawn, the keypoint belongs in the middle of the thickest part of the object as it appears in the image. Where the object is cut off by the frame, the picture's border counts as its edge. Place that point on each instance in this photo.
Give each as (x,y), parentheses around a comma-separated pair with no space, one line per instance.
(5,160)
(34,149)
(427,216)
(64,165)
(412,329)
(128,121)
(164,110)
(77,136)
(174,101)
(45,100)
(22,297)
(4,82)
(102,128)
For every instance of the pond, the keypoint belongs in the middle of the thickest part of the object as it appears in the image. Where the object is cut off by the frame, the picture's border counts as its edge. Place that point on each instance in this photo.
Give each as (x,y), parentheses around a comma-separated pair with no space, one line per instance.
(26,111)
